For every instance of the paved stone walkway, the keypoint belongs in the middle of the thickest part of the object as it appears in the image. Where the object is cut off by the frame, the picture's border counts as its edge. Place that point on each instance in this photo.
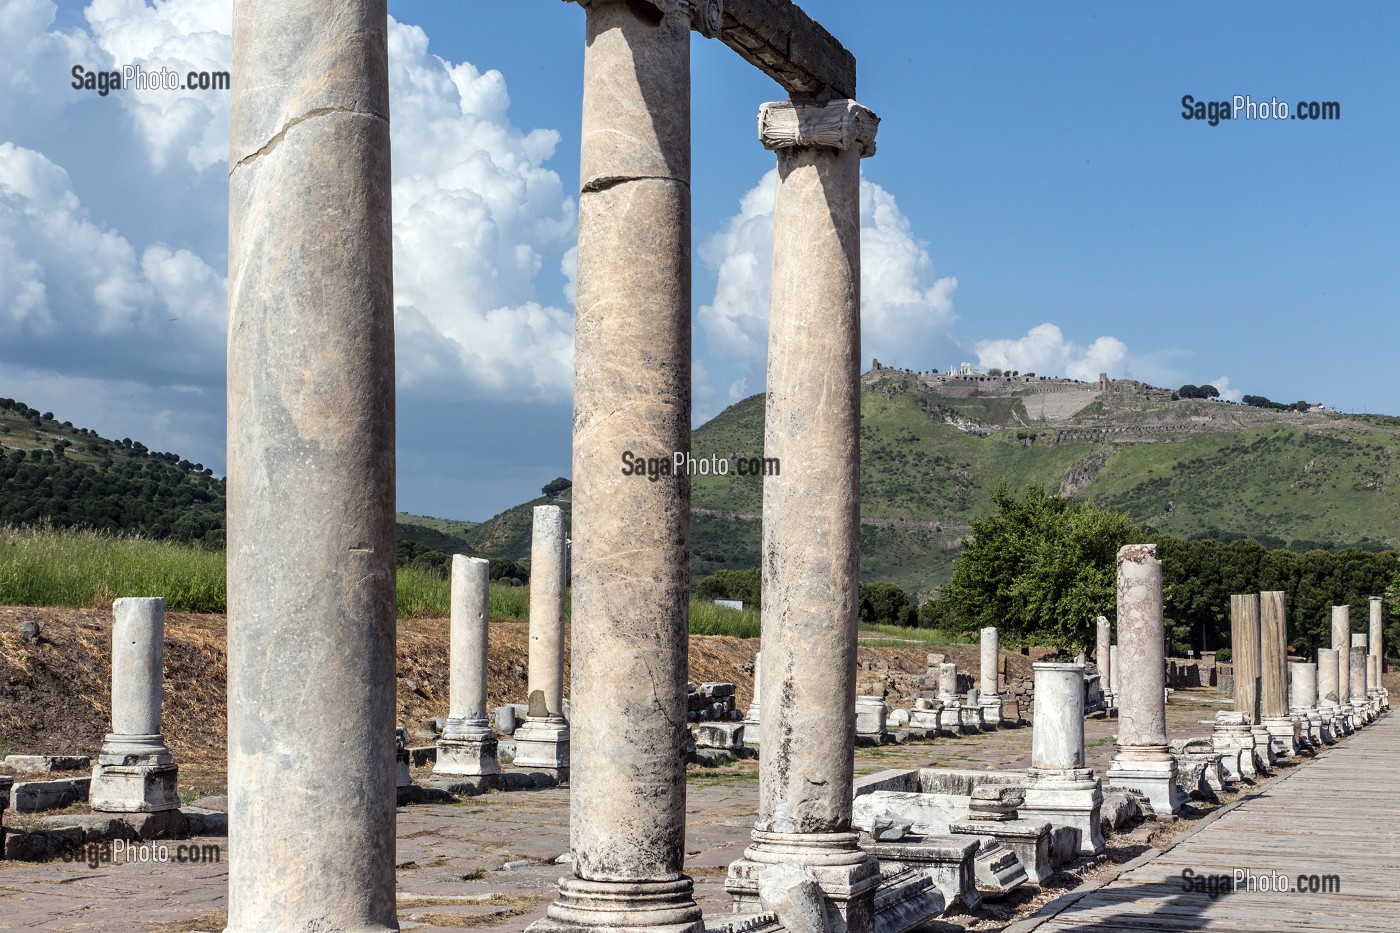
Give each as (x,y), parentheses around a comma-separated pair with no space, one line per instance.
(1334,819)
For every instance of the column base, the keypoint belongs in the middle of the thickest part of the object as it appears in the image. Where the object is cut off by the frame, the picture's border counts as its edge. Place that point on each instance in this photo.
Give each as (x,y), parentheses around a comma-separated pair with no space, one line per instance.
(543,745)
(1155,780)
(991,711)
(1068,799)
(134,774)
(1264,757)
(1233,740)
(847,875)
(466,753)
(632,906)
(1283,736)
(751,730)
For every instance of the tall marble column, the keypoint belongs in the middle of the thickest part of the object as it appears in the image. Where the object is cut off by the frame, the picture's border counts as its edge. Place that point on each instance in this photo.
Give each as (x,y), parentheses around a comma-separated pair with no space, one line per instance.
(1144,762)
(989,685)
(1103,640)
(135,772)
(1356,678)
(1341,643)
(542,742)
(1327,696)
(1377,648)
(632,379)
(311,607)
(1063,790)
(1115,676)
(811,511)
(467,747)
(1245,641)
(1273,673)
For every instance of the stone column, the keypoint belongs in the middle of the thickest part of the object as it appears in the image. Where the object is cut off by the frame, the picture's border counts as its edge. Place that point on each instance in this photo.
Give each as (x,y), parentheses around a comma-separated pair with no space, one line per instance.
(311,605)
(1377,651)
(467,747)
(135,772)
(1341,642)
(542,742)
(1245,641)
(1143,762)
(1327,705)
(1356,678)
(1102,645)
(811,511)
(1302,700)
(989,688)
(752,730)
(1114,676)
(1062,790)
(1273,673)
(631,579)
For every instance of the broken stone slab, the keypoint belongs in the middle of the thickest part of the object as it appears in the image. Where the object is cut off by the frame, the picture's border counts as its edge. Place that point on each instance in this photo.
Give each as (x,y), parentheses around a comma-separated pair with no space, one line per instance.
(215,804)
(728,736)
(716,690)
(49,762)
(418,793)
(1118,808)
(748,923)
(38,796)
(1028,840)
(790,892)
(948,860)
(887,829)
(504,719)
(906,900)
(899,718)
(997,869)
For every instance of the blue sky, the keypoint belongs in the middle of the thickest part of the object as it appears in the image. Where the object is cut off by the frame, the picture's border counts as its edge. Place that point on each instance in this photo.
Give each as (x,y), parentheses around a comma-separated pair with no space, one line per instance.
(1037,202)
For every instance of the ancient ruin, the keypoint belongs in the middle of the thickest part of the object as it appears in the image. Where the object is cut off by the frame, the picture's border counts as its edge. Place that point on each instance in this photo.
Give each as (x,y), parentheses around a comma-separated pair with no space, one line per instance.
(542,742)
(467,746)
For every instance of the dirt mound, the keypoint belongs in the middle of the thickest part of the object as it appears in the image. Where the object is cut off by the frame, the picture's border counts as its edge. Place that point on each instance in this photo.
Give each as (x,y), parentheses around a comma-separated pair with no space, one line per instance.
(55,697)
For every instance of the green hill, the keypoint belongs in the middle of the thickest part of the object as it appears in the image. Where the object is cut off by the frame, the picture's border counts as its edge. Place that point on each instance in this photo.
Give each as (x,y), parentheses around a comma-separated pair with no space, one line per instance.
(933,449)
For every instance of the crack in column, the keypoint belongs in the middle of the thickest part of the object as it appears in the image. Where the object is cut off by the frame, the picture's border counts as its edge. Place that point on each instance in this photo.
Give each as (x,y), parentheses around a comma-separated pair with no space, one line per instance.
(612,181)
(281,134)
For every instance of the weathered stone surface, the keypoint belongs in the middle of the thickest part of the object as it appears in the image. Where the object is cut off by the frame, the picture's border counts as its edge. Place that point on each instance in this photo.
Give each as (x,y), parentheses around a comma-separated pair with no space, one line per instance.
(1117,810)
(49,762)
(631,586)
(791,892)
(467,745)
(38,796)
(310,469)
(548,582)
(1057,733)
(870,716)
(722,735)
(1341,643)
(1143,761)
(1244,639)
(782,41)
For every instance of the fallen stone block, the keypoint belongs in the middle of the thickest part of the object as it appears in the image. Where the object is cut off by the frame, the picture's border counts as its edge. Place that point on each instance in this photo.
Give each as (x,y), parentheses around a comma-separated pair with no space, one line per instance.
(49,762)
(38,796)
(722,735)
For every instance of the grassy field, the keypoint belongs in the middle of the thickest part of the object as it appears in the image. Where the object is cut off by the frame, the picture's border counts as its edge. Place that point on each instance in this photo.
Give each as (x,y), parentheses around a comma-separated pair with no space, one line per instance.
(41,567)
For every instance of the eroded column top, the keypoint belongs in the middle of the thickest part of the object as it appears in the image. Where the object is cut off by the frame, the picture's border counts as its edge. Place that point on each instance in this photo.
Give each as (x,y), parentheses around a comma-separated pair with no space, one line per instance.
(837,124)
(706,16)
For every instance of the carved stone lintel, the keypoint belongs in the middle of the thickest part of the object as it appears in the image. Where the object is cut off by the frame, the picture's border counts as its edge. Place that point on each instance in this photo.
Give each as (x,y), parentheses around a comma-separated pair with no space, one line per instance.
(840,124)
(707,16)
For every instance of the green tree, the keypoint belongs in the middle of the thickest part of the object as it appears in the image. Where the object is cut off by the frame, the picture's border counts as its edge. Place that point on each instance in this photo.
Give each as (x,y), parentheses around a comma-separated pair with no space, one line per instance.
(746,585)
(884,603)
(554,487)
(1041,568)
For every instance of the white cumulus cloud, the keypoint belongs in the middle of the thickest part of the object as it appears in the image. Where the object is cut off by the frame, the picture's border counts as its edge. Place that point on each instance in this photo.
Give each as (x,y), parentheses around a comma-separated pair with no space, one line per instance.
(1044,350)
(905,308)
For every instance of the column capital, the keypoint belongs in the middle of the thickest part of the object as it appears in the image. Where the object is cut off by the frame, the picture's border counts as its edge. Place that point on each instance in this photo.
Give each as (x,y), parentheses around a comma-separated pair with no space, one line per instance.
(838,124)
(706,16)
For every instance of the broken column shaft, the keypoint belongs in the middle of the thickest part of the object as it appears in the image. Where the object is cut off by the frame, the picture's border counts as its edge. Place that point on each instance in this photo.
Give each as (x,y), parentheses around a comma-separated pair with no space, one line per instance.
(1143,762)
(542,743)
(311,604)
(632,380)
(1341,643)
(135,772)
(1273,673)
(467,747)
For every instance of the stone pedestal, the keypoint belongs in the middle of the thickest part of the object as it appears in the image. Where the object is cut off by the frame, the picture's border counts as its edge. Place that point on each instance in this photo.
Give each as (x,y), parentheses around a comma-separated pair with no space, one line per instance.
(1302,701)
(135,772)
(1143,763)
(870,717)
(467,747)
(1232,739)
(811,512)
(632,392)
(1061,789)
(1273,674)
(542,742)
(311,605)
